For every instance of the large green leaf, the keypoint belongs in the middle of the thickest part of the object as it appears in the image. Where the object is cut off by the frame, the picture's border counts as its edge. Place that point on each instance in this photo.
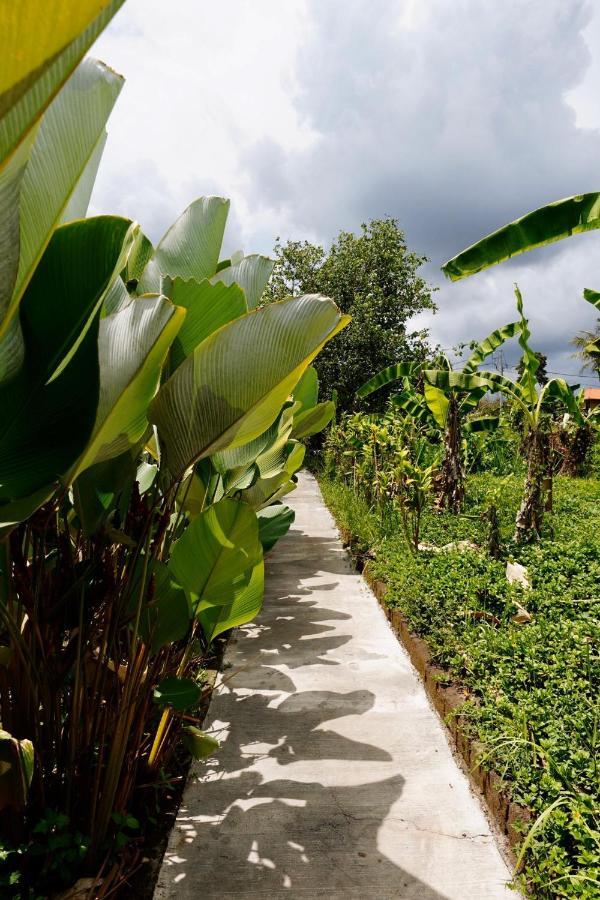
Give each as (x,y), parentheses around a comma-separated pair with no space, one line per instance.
(387,376)
(438,403)
(558,220)
(243,608)
(191,246)
(306,392)
(251,273)
(311,421)
(66,140)
(215,557)
(132,347)
(247,453)
(447,380)
(489,345)
(49,409)
(560,390)
(42,44)
(233,386)
(273,523)
(208,307)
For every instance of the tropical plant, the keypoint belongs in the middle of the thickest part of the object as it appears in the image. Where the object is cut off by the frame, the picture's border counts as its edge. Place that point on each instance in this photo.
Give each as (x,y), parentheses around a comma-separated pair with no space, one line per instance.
(533,407)
(554,222)
(447,397)
(148,425)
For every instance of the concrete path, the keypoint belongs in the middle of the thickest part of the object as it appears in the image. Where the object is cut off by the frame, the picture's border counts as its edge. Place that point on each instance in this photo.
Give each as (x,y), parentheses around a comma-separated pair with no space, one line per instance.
(335,778)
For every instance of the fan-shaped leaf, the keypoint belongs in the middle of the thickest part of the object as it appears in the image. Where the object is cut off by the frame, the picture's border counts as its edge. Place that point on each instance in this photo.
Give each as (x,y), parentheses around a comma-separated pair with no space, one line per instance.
(251,273)
(191,246)
(233,386)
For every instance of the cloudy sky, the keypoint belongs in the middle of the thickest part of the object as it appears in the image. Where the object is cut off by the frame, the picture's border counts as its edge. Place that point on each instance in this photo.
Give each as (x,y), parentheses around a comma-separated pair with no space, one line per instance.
(315,116)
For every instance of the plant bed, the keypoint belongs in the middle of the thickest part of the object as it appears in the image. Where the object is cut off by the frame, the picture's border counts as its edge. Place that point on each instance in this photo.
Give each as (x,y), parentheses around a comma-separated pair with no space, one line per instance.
(519,699)
(166,797)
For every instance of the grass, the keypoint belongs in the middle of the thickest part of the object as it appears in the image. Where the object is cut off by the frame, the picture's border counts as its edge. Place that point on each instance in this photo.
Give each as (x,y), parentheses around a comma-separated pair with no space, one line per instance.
(537,685)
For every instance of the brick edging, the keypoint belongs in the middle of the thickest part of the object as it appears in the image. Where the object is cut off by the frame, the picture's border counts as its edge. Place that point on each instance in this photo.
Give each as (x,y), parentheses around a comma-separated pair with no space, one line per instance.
(447,698)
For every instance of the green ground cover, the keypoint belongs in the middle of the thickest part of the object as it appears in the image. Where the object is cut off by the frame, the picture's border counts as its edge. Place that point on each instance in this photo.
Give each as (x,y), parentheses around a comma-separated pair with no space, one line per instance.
(536,684)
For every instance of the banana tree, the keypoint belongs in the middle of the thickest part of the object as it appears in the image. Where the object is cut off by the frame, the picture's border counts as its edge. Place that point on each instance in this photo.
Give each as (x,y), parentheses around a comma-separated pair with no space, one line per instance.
(447,397)
(554,222)
(534,408)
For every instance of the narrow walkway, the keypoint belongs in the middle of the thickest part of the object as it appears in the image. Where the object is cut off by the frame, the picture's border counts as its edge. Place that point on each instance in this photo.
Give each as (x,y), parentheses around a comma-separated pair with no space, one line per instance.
(335,778)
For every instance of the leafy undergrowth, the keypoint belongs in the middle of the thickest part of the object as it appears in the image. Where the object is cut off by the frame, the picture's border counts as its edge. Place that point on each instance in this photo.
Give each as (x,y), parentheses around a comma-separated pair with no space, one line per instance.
(537,684)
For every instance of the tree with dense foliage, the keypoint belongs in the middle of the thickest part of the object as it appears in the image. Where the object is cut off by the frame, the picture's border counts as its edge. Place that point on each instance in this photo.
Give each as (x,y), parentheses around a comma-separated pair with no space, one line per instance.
(372,276)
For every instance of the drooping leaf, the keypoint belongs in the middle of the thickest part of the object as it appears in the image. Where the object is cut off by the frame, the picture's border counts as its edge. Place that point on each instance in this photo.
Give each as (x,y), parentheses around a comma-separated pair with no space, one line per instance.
(553,222)
(592,297)
(219,617)
(199,744)
(178,693)
(233,386)
(273,523)
(389,375)
(414,405)
(560,390)
(306,392)
(191,246)
(311,421)
(251,273)
(208,307)
(215,557)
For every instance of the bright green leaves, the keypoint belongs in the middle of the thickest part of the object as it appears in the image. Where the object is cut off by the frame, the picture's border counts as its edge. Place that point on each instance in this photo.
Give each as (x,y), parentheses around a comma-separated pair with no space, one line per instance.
(216,555)
(16,771)
(208,307)
(310,416)
(49,409)
(199,744)
(218,561)
(43,40)
(191,246)
(558,220)
(273,523)
(233,386)
(132,347)
(251,273)
(47,167)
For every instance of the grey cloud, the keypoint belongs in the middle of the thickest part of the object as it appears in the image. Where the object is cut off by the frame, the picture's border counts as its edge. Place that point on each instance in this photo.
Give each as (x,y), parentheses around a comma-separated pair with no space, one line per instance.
(455,126)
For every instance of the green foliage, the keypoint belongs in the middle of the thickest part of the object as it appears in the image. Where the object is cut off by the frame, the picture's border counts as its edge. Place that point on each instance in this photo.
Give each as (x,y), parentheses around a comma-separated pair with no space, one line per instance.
(536,685)
(373,277)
